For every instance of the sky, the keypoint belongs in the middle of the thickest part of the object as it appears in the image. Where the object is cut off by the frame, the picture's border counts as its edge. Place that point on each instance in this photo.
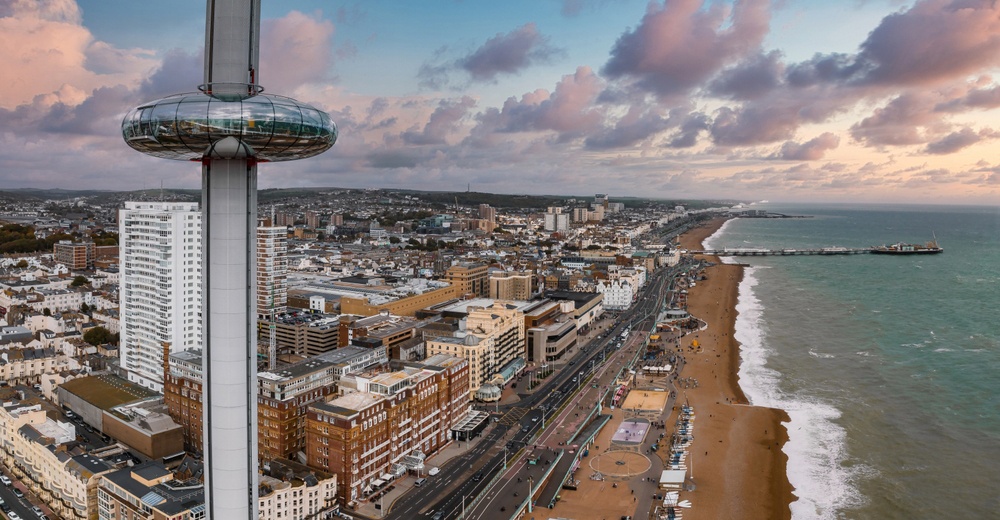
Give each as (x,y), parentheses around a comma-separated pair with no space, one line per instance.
(792,100)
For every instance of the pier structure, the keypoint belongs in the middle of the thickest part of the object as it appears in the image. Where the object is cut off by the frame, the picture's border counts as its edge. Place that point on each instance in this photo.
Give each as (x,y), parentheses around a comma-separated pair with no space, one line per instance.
(785,252)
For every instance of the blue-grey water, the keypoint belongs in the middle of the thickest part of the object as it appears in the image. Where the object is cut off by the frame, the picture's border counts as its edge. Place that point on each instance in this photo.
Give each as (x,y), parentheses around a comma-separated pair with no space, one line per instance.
(889,366)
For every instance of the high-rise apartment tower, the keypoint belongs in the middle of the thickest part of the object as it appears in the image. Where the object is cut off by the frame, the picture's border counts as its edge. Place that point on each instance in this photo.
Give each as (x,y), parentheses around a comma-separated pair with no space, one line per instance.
(160,285)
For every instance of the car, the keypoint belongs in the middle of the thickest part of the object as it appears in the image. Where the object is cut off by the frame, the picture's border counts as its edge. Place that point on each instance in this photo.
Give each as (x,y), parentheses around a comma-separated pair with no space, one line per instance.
(478,476)
(419,482)
(18,493)
(13,516)
(5,479)
(525,428)
(534,419)
(38,511)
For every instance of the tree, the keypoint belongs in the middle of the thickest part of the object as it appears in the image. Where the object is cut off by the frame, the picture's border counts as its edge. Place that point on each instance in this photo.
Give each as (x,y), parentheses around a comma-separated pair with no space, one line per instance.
(394,240)
(98,336)
(47,312)
(79,280)
(84,308)
(22,264)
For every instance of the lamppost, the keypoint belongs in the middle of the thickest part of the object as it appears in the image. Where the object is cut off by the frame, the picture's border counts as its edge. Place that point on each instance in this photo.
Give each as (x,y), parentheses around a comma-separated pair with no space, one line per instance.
(529,495)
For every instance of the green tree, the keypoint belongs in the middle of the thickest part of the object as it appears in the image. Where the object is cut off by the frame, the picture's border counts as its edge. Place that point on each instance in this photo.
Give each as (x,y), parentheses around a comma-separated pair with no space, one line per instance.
(394,240)
(97,336)
(79,280)
(47,312)
(84,308)
(22,264)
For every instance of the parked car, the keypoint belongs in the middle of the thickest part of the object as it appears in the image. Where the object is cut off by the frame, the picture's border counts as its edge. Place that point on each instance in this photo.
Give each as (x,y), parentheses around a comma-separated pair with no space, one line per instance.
(18,493)
(5,480)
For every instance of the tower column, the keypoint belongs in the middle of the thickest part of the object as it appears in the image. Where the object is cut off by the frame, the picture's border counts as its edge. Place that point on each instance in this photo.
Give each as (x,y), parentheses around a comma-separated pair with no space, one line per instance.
(229,206)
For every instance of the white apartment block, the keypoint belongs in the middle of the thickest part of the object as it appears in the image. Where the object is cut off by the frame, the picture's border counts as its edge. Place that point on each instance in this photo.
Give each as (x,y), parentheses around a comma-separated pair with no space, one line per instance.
(618,294)
(556,220)
(272,270)
(160,289)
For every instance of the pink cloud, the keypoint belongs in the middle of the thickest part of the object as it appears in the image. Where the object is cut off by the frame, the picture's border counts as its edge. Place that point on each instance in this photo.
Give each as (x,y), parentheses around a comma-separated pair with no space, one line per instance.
(810,150)
(956,141)
(903,121)
(508,53)
(442,122)
(934,40)
(306,37)
(46,49)
(568,110)
(680,44)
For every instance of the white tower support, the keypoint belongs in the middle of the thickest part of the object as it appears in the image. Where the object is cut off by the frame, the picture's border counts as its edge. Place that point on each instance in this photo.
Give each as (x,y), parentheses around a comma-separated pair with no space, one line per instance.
(230,408)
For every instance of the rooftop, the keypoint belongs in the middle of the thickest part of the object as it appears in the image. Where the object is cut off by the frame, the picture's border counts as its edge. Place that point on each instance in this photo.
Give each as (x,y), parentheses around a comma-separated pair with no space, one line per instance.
(106,391)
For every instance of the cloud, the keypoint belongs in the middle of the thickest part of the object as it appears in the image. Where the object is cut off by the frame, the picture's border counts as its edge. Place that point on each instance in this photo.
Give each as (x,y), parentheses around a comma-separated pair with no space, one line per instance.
(568,110)
(638,125)
(956,141)
(976,98)
(932,41)
(443,121)
(811,150)
(46,49)
(306,37)
(679,45)
(508,53)
(749,79)
(62,11)
(179,72)
(902,121)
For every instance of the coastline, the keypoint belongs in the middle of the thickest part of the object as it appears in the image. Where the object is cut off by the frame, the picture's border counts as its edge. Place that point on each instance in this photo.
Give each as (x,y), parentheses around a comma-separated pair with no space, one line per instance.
(737,461)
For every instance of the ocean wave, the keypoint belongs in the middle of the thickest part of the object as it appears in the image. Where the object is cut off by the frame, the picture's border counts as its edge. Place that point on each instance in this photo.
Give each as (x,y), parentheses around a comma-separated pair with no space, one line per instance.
(709,242)
(944,350)
(821,355)
(816,444)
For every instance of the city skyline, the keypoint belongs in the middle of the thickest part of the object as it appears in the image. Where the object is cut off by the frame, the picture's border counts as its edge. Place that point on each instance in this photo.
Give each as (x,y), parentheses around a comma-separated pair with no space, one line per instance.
(797,100)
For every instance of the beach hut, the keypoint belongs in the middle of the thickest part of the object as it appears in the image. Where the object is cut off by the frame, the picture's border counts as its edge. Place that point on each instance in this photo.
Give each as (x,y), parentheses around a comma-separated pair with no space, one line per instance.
(672,478)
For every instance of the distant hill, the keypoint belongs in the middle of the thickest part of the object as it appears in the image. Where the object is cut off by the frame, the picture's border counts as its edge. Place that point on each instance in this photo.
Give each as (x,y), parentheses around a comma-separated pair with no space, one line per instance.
(439,198)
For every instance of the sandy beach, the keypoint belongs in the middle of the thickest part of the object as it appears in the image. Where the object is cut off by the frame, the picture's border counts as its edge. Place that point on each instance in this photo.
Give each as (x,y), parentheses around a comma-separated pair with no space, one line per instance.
(736,458)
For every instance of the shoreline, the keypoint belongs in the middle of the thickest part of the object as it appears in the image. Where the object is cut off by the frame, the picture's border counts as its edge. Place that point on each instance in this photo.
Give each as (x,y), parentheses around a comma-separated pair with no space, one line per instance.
(737,463)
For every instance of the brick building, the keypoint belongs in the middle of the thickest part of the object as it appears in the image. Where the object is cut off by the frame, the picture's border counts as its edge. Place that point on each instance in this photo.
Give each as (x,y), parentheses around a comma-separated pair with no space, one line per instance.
(382,417)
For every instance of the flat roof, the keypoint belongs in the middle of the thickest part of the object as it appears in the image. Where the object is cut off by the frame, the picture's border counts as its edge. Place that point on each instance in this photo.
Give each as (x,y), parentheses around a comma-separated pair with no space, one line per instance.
(106,391)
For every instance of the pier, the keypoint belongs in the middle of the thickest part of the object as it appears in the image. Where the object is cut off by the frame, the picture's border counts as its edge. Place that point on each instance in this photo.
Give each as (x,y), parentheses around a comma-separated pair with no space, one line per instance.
(785,252)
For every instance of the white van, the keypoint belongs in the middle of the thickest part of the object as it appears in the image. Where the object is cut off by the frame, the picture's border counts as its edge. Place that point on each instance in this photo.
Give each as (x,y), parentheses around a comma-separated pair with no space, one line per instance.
(433,471)
(419,482)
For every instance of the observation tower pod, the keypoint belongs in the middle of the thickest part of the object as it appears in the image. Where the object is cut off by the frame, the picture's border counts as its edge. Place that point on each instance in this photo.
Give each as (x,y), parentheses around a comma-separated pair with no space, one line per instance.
(229,126)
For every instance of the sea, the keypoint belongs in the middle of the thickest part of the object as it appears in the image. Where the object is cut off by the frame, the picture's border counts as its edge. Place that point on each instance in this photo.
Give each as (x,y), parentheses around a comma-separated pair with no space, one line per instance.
(888,366)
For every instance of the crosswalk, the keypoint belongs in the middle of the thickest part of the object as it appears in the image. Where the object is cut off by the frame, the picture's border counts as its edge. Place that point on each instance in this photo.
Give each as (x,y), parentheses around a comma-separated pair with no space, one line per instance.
(514,416)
